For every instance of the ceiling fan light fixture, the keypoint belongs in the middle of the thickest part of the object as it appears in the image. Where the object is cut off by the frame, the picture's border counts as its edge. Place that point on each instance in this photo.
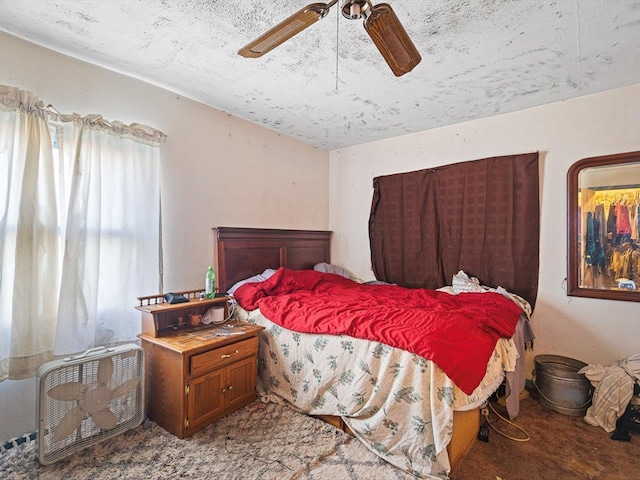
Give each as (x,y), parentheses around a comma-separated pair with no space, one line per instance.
(391,39)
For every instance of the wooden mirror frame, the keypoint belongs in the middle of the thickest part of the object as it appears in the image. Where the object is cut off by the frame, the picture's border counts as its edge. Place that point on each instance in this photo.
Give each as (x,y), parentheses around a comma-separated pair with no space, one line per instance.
(574,222)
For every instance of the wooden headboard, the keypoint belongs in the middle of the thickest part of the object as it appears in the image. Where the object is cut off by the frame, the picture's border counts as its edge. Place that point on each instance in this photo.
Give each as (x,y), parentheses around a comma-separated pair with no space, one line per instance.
(240,253)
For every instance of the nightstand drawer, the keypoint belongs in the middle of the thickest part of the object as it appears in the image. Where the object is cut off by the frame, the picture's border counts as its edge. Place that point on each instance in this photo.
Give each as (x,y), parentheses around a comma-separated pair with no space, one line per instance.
(222,356)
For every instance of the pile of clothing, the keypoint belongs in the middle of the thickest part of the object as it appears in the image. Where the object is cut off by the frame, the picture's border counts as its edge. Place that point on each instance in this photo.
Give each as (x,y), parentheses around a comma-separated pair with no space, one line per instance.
(615,399)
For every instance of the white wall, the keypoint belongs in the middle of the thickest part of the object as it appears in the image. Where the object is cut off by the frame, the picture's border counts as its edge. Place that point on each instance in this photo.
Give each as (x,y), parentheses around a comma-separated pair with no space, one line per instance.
(216,169)
(590,330)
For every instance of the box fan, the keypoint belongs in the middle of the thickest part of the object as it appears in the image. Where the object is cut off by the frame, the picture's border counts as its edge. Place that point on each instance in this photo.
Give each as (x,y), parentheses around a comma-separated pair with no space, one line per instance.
(87,398)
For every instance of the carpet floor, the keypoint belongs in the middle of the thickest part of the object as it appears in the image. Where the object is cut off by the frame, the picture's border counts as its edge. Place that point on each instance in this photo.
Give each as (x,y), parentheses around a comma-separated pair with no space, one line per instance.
(260,441)
(561,448)
(273,442)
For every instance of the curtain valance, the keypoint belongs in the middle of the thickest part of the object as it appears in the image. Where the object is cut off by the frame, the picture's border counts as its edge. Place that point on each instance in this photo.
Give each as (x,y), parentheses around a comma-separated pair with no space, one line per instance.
(13,98)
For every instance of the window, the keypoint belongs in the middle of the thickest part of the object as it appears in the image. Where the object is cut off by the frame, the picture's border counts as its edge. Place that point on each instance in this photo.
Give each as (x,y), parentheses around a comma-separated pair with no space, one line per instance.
(80,230)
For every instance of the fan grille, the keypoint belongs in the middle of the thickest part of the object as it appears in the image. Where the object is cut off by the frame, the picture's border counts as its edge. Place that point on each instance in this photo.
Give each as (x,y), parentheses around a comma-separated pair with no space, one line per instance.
(128,408)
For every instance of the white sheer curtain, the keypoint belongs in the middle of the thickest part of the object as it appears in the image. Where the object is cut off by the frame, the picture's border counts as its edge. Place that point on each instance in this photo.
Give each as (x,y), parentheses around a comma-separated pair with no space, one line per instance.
(80,231)
(29,240)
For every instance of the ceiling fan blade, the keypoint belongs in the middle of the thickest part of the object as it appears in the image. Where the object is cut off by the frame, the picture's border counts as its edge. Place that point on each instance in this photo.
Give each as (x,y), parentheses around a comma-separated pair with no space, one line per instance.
(388,34)
(69,423)
(285,30)
(105,370)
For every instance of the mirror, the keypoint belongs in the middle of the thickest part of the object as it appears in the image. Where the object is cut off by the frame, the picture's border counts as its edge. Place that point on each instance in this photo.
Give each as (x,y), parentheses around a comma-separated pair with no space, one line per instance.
(603,227)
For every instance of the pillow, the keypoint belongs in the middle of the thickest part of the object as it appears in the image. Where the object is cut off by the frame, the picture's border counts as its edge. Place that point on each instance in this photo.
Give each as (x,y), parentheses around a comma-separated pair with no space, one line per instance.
(261,277)
(329,268)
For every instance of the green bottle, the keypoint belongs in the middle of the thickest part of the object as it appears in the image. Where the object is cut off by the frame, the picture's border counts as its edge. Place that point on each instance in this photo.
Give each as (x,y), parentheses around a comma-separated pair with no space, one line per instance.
(210,283)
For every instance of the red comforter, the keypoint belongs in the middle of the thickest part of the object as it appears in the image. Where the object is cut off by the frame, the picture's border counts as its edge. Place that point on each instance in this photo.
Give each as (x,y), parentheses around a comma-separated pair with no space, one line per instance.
(457,332)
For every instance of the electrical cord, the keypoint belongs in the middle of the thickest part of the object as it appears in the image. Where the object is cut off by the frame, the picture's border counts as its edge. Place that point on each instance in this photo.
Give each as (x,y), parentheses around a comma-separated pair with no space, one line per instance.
(232,313)
(499,432)
(232,308)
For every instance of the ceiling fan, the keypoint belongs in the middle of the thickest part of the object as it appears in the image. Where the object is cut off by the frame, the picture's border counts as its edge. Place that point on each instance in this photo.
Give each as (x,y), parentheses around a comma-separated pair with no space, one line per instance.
(380,22)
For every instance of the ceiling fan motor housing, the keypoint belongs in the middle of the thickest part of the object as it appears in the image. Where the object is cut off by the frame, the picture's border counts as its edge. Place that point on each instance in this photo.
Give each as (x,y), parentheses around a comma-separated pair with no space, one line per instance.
(355,9)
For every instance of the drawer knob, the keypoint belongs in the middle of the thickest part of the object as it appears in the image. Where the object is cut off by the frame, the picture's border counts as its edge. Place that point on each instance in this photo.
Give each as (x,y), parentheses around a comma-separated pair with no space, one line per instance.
(230,387)
(229,356)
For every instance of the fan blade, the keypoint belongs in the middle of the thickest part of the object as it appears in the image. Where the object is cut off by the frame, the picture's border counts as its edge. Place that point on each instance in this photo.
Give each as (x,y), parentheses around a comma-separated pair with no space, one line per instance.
(388,34)
(68,391)
(105,419)
(105,370)
(96,399)
(125,388)
(69,423)
(285,30)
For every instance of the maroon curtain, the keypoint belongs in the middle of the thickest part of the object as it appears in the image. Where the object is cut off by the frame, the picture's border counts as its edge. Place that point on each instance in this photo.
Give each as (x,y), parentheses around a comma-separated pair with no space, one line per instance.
(481,216)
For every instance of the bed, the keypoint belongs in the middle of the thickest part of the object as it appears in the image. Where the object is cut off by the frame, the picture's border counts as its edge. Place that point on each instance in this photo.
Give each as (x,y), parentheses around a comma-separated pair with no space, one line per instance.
(402,406)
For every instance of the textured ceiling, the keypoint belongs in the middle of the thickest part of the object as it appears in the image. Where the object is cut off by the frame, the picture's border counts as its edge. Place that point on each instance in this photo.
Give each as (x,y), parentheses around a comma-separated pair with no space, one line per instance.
(479,58)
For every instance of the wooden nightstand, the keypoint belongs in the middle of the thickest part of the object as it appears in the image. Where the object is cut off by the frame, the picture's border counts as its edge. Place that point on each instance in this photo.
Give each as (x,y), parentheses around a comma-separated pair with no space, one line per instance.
(194,376)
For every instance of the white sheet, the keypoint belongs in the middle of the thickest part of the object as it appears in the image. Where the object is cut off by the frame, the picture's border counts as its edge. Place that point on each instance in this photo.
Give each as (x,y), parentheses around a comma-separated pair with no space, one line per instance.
(397,403)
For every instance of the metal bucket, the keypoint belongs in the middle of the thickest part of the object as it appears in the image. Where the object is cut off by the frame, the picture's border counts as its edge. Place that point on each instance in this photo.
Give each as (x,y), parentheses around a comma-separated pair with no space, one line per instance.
(560,387)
